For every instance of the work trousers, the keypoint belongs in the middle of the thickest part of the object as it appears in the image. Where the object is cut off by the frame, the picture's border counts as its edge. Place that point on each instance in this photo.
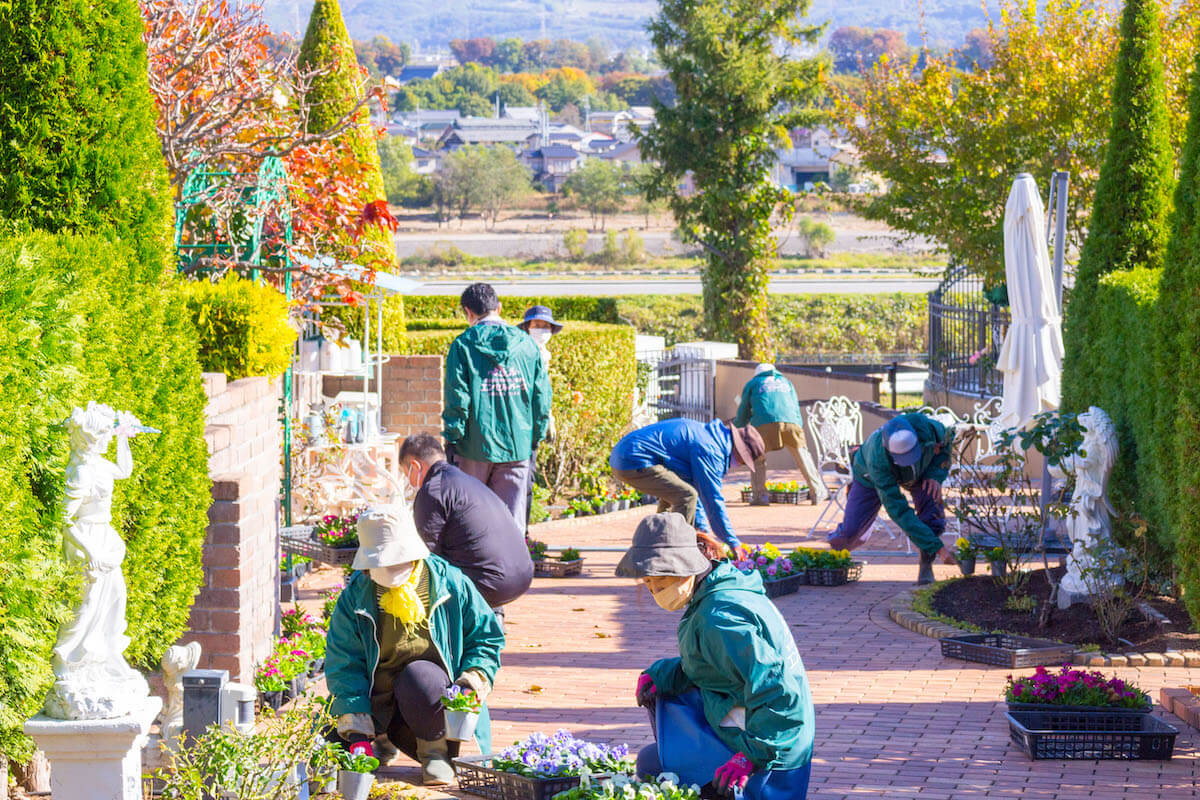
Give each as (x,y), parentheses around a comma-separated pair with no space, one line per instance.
(417,690)
(787,436)
(510,481)
(863,504)
(673,492)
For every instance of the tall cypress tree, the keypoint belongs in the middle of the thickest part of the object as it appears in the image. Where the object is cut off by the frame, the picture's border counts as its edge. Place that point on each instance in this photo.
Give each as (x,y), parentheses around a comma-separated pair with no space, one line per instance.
(327,45)
(1128,227)
(1175,470)
(78,147)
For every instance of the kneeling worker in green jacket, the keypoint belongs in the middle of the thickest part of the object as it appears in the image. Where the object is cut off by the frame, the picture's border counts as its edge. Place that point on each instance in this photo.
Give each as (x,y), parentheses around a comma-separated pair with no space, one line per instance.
(401,633)
(733,711)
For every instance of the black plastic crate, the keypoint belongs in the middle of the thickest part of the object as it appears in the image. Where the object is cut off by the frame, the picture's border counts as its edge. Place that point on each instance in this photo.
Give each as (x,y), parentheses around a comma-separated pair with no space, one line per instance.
(1006,650)
(1089,736)
(834,576)
(553,568)
(476,776)
(788,585)
(298,540)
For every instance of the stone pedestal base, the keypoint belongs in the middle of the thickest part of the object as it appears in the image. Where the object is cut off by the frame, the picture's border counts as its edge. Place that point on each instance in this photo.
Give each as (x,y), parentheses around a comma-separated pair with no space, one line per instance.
(97,759)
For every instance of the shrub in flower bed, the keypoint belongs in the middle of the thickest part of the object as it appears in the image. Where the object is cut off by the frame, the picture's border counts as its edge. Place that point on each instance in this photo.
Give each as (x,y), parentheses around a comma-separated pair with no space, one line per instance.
(620,787)
(1075,687)
(542,756)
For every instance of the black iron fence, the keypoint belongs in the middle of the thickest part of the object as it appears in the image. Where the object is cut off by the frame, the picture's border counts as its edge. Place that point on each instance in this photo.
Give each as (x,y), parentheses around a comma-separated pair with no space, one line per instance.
(965,334)
(678,386)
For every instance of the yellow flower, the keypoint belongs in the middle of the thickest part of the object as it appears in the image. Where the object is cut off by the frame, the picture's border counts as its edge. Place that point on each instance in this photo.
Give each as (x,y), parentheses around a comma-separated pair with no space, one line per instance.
(960,542)
(770,551)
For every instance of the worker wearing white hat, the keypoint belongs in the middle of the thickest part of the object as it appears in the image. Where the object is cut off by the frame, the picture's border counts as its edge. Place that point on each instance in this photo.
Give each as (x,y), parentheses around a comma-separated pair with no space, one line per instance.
(405,627)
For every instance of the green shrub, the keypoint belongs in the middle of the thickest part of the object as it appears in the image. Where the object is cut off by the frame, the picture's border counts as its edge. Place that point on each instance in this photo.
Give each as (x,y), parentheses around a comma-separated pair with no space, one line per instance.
(567,307)
(243,327)
(75,326)
(432,342)
(575,243)
(78,148)
(1128,226)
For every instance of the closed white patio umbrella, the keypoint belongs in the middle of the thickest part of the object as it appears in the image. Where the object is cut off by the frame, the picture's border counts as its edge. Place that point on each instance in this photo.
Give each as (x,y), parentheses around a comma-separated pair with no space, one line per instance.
(1031,357)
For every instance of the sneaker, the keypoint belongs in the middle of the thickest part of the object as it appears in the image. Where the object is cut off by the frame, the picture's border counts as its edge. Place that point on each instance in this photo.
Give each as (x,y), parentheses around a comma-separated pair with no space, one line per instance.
(925,573)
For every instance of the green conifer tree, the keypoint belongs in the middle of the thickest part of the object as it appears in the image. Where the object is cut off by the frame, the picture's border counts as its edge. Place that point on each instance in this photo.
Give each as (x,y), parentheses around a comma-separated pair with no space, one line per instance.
(1128,226)
(328,45)
(78,146)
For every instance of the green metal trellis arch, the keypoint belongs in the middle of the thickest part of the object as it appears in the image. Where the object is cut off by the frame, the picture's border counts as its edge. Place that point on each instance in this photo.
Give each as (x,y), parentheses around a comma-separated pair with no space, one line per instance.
(263,195)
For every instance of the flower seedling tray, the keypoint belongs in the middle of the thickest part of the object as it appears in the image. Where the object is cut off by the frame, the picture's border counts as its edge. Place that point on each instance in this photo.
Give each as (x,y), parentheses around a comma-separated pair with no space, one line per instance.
(794,498)
(834,576)
(1078,709)
(298,541)
(1006,650)
(553,568)
(747,495)
(1075,735)
(476,776)
(788,585)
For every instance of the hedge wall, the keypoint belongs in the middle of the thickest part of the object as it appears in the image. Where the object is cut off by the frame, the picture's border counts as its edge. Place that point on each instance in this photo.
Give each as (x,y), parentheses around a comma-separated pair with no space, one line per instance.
(569,307)
(242,326)
(74,327)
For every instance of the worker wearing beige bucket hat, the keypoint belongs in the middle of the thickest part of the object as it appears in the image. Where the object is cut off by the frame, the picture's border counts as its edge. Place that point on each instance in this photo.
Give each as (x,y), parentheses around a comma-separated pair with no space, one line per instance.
(407,625)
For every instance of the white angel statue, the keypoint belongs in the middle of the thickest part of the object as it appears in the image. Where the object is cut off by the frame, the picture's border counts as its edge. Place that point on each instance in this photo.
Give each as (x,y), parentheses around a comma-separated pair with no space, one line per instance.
(92,678)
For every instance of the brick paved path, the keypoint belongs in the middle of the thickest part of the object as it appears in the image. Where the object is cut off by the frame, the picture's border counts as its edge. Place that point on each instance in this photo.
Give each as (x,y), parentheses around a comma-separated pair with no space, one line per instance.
(894,719)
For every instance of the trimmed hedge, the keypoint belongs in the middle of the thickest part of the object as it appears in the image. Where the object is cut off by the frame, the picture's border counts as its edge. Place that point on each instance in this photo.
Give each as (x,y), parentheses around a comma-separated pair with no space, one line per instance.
(75,326)
(567,307)
(800,323)
(242,326)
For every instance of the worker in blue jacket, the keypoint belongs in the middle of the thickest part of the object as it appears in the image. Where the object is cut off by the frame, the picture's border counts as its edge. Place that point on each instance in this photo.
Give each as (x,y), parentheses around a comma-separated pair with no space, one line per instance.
(683,462)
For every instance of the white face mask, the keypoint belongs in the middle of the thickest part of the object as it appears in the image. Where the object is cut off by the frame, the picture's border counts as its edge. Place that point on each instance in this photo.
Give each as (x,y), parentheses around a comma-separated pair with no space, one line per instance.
(391,576)
(541,336)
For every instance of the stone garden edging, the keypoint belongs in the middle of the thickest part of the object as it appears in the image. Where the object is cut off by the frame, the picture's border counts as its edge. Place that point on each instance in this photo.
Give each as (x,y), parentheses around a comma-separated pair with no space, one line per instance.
(1182,703)
(901,612)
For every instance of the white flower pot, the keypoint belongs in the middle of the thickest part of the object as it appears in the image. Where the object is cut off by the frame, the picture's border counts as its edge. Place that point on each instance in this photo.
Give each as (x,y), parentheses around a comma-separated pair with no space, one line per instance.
(354,785)
(460,725)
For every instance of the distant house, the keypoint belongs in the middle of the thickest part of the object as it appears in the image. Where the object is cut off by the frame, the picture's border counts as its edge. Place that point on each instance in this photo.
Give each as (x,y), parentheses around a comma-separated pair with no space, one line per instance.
(526,113)
(810,159)
(419,72)
(486,131)
(552,165)
(610,123)
(425,162)
(624,153)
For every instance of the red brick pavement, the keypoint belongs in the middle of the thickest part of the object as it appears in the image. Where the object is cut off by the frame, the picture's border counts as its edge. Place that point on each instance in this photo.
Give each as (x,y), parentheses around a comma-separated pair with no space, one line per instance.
(894,719)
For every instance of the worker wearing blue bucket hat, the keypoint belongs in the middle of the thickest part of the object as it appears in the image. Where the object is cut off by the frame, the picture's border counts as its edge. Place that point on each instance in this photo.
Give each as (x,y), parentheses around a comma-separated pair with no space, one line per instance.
(912,452)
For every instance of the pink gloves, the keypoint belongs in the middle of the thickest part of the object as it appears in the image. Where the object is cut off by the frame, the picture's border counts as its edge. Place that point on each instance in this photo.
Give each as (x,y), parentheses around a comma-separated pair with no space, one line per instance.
(733,773)
(362,749)
(645,690)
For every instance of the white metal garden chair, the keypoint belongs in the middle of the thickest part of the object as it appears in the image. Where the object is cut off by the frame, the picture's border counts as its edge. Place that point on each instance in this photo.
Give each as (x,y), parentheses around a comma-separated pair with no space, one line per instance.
(836,428)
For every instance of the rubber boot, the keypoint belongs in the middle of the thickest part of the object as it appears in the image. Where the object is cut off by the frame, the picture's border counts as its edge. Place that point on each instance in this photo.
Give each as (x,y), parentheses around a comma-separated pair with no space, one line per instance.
(385,751)
(925,574)
(763,499)
(436,769)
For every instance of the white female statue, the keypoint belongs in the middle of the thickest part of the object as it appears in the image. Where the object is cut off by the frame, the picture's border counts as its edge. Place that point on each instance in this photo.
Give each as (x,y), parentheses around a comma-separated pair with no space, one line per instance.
(1089,523)
(92,678)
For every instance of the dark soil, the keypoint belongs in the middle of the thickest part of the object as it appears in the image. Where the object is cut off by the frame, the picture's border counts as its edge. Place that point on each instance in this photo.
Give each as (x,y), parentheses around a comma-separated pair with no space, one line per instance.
(979,600)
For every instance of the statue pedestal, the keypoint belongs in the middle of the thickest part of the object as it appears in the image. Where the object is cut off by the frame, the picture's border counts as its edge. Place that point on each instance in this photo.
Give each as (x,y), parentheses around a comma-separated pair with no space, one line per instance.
(95,759)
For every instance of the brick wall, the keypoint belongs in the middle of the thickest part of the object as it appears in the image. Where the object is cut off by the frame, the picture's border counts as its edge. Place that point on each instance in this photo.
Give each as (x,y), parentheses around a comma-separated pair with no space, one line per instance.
(412,393)
(234,615)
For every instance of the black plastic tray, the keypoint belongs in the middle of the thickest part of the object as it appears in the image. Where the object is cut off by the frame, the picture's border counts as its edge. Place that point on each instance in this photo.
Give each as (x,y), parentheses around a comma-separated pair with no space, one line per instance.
(1088,736)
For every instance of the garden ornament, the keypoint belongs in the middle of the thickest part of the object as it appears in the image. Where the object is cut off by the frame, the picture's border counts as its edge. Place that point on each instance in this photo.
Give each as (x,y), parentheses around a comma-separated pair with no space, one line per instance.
(1089,522)
(92,678)
(175,662)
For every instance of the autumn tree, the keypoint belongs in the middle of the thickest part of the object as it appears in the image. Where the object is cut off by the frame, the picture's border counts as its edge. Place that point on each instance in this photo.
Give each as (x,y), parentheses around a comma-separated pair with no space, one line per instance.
(381,57)
(948,140)
(855,48)
(737,87)
(335,93)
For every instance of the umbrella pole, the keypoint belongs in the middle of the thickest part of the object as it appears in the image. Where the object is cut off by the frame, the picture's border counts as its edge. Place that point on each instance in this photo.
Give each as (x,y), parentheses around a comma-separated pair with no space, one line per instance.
(1060,185)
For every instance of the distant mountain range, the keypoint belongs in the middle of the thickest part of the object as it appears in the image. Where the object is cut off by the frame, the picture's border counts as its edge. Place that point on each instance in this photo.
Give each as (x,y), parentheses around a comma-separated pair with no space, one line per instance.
(618,23)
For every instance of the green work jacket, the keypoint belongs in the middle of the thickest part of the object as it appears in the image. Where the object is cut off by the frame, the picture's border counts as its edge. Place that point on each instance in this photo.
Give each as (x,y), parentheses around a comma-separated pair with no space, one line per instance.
(497,394)
(873,467)
(769,397)
(737,650)
(463,628)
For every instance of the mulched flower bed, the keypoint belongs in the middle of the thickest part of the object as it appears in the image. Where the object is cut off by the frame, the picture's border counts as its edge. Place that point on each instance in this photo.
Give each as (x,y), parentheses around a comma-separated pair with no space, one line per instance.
(979,600)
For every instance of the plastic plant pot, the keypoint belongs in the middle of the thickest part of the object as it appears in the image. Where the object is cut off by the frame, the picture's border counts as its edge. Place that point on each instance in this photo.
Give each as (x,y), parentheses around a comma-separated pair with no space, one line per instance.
(999,569)
(460,725)
(354,785)
(967,565)
(271,700)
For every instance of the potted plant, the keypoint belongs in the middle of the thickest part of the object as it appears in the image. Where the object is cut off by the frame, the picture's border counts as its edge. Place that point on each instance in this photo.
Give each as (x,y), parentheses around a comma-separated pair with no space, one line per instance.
(747,493)
(541,766)
(778,572)
(355,774)
(1072,689)
(964,552)
(997,558)
(537,550)
(323,769)
(269,681)
(580,507)
(832,568)
(568,563)
(461,707)
(664,787)
(337,532)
